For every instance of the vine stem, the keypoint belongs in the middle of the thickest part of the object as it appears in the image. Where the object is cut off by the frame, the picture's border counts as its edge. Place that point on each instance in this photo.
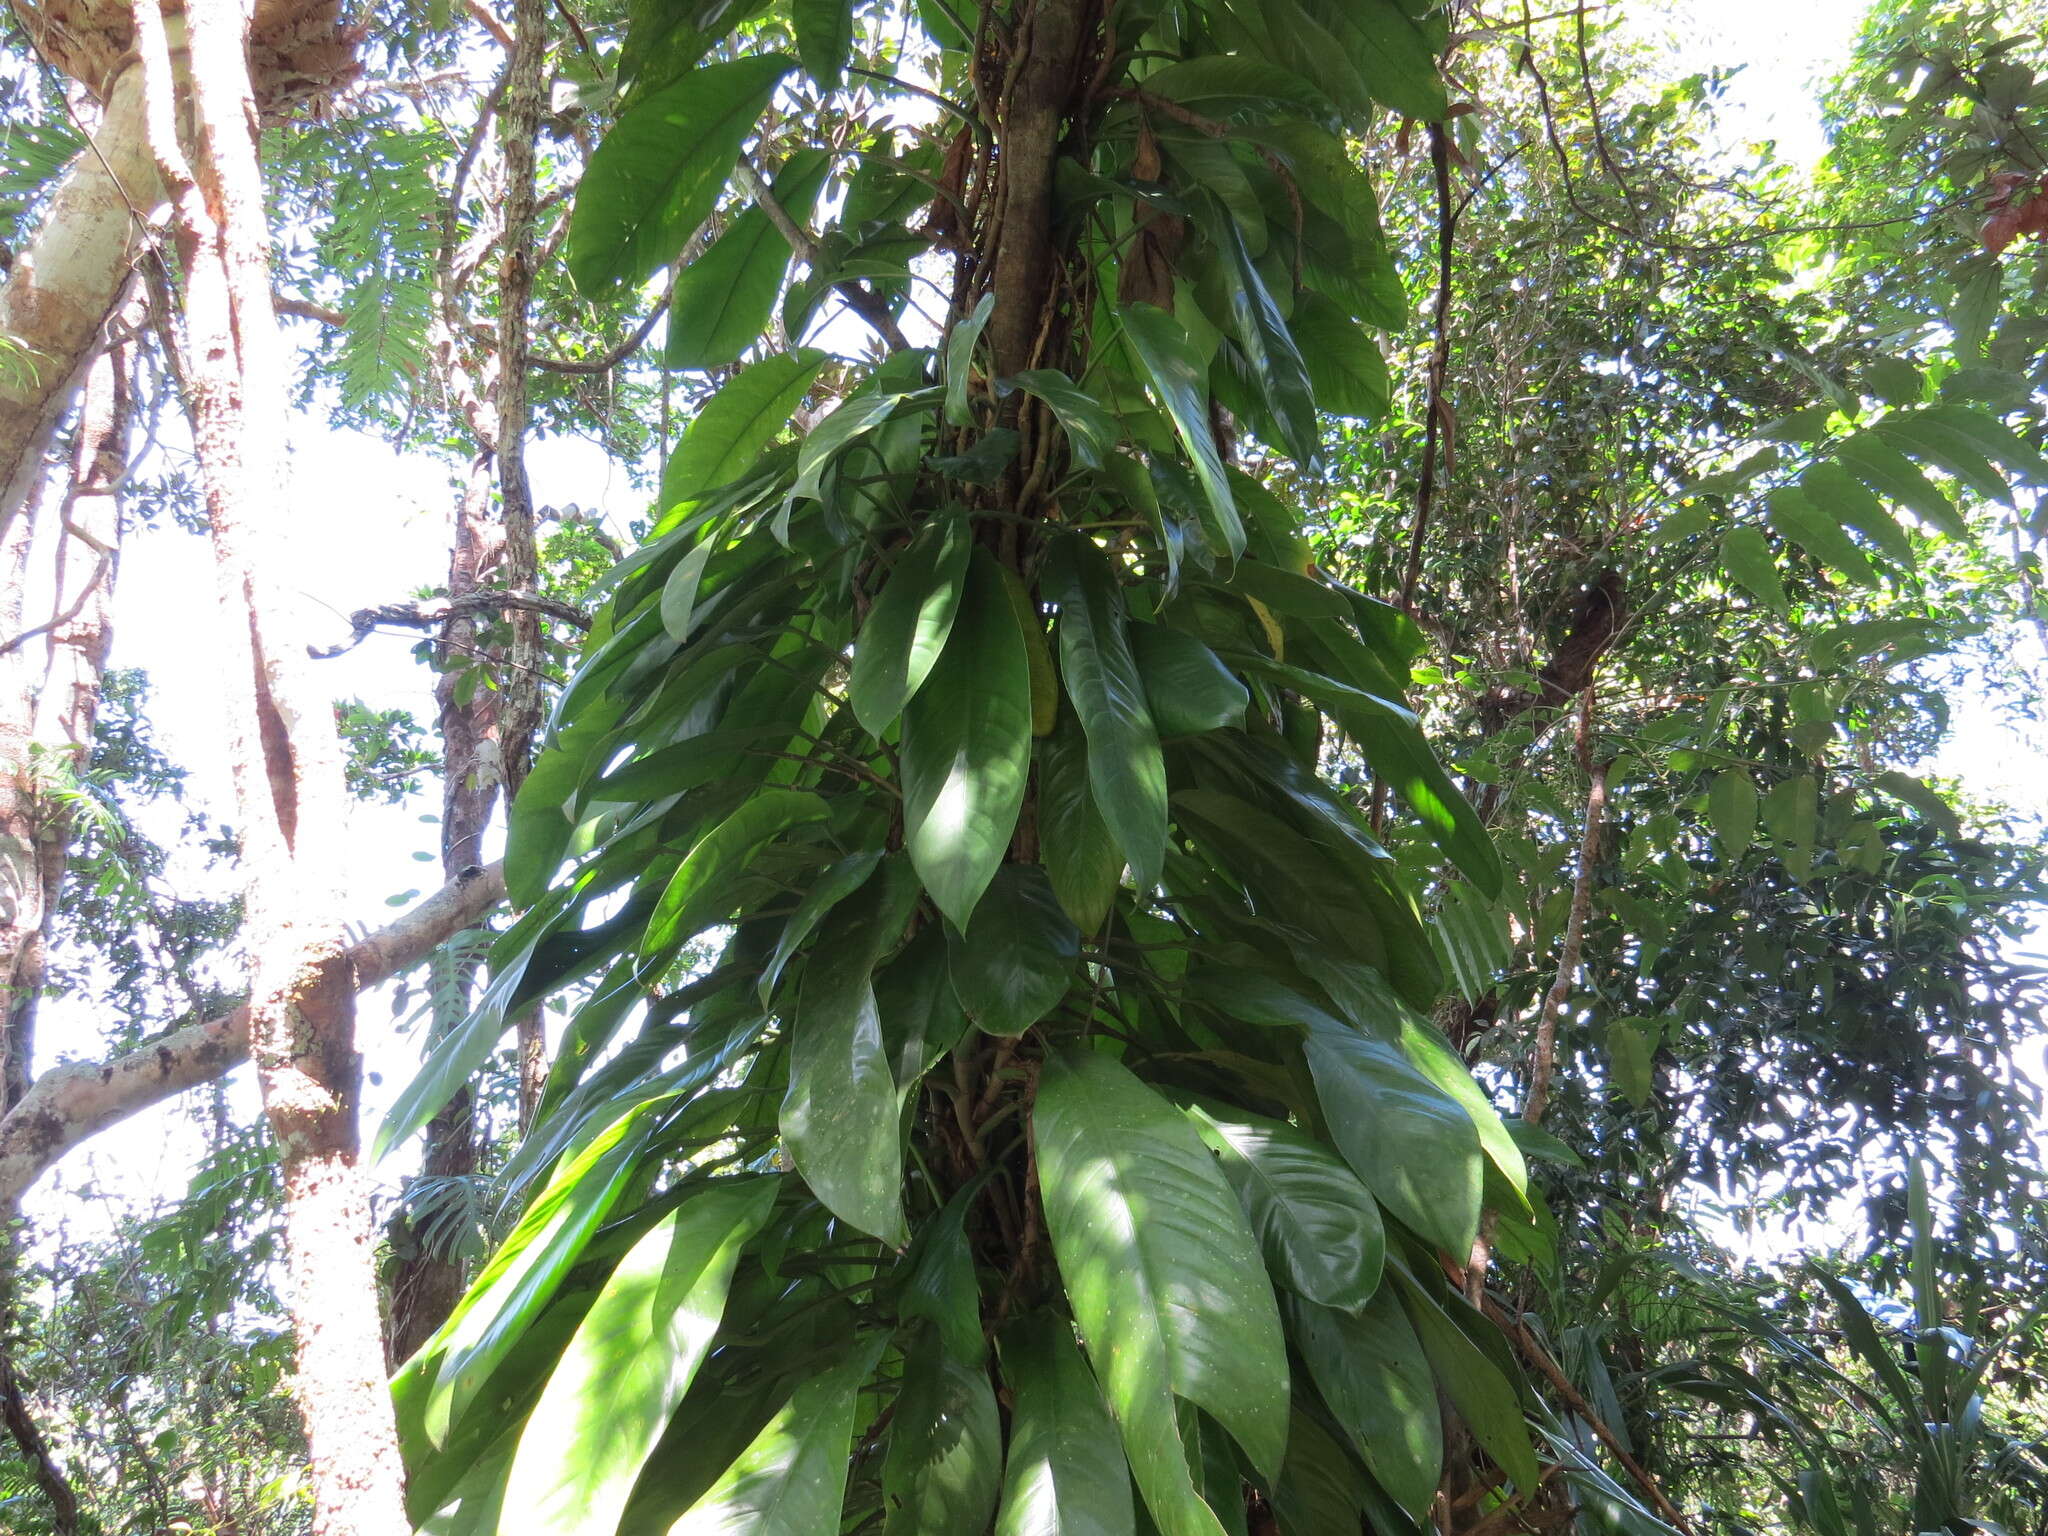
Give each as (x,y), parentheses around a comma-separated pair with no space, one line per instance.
(1543,1057)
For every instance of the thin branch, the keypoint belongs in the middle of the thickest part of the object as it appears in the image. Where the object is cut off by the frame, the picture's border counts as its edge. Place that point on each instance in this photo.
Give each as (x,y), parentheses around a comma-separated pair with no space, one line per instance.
(805,244)
(483,16)
(1543,1057)
(75,1100)
(1436,417)
(432,615)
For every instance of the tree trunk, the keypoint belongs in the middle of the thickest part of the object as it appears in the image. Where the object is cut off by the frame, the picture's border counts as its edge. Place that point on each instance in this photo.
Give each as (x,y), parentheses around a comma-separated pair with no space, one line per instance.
(65,285)
(289,783)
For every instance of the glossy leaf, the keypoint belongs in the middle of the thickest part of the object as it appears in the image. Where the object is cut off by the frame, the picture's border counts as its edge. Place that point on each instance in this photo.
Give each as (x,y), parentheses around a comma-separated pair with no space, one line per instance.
(1081,858)
(1065,1474)
(967,749)
(726,436)
(701,890)
(1125,767)
(1415,1148)
(1092,433)
(1484,1398)
(658,173)
(791,1480)
(1371,1371)
(1018,957)
(1177,376)
(1142,1224)
(907,628)
(723,300)
(1318,1227)
(824,37)
(630,1362)
(1187,688)
(832,887)
(945,1457)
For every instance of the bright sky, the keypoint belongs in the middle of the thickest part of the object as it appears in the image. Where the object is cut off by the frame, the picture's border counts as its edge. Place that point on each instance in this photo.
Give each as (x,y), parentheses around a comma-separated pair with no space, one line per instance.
(371,526)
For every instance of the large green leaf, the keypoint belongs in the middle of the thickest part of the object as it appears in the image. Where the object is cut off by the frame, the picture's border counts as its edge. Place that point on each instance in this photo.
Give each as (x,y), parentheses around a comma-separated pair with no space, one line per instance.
(839,1117)
(1017,959)
(1163,1275)
(1731,806)
(967,748)
(1790,812)
(1321,1488)
(701,890)
(1746,556)
(824,37)
(1125,767)
(945,1447)
(1414,1146)
(791,1480)
(723,300)
(1065,1474)
(657,174)
(1484,1397)
(1319,1228)
(1800,520)
(1188,690)
(1091,431)
(1892,475)
(1373,1374)
(629,1364)
(1344,363)
(1269,348)
(1080,856)
(907,628)
(1851,503)
(831,888)
(1176,373)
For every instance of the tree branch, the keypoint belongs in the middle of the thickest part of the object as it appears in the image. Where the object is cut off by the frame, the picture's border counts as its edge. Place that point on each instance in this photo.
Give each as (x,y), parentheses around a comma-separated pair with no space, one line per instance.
(432,615)
(1543,1058)
(77,1100)
(805,244)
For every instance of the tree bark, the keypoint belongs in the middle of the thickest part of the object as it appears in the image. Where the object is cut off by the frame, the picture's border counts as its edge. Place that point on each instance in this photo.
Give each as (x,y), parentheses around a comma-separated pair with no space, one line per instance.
(64,286)
(289,783)
(73,1102)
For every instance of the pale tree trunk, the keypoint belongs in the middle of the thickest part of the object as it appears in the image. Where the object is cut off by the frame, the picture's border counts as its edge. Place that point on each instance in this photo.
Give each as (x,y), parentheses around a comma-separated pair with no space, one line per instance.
(67,282)
(288,770)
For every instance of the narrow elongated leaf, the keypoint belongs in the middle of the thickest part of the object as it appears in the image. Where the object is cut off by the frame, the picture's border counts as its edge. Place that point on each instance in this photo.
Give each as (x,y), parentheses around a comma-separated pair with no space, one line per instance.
(1016,961)
(907,628)
(1806,525)
(1318,1227)
(1414,1146)
(1142,1224)
(1840,495)
(1933,440)
(1268,345)
(839,1117)
(701,891)
(941,1288)
(1187,688)
(629,1364)
(723,299)
(1045,687)
(1175,372)
(945,1448)
(1065,1474)
(657,174)
(1372,1373)
(1484,1398)
(791,1480)
(1080,856)
(1125,767)
(1392,741)
(832,887)
(960,360)
(967,749)
(1321,1488)
(1628,1060)
(1923,797)
(1791,814)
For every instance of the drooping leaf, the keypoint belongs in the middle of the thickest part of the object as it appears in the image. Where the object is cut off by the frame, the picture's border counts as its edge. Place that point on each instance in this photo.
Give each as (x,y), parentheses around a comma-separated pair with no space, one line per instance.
(1187,688)
(1371,1371)
(945,1455)
(824,37)
(832,887)
(960,360)
(657,174)
(1415,1148)
(1017,959)
(1318,1227)
(1091,431)
(1345,364)
(907,628)
(1175,372)
(1065,1474)
(1080,856)
(1746,556)
(967,748)
(791,1480)
(1731,804)
(723,300)
(701,890)
(1790,812)
(1484,1397)
(630,1362)
(1125,767)
(1142,1222)
(1629,1060)
(839,1116)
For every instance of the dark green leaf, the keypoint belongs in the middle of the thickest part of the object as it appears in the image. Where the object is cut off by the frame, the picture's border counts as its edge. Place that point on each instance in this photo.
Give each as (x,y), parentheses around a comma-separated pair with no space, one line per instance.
(824,37)
(1319,1229)
(1125,767)
(1344,362)
(945,1456)
(1629,1050)
(1179,378)
(1731,804)
(1091,431)
(1065,1475)
(1484,1398)
(831,888)
(1080,856)
(1187,689)
(960,360)
(1894,476)
(1016,961)
(906,630)
(657,174)
(723,299)
(1371,1371)
(1746,556)
(967,748)
(702,890)
(1141,1219)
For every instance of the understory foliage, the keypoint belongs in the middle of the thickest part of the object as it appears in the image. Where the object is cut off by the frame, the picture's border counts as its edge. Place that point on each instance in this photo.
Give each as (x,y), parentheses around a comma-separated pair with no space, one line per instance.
(1169,520)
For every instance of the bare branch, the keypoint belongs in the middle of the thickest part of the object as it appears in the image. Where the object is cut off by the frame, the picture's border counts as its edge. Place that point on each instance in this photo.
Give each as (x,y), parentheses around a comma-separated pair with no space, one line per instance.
(77,1100)
(432,615)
